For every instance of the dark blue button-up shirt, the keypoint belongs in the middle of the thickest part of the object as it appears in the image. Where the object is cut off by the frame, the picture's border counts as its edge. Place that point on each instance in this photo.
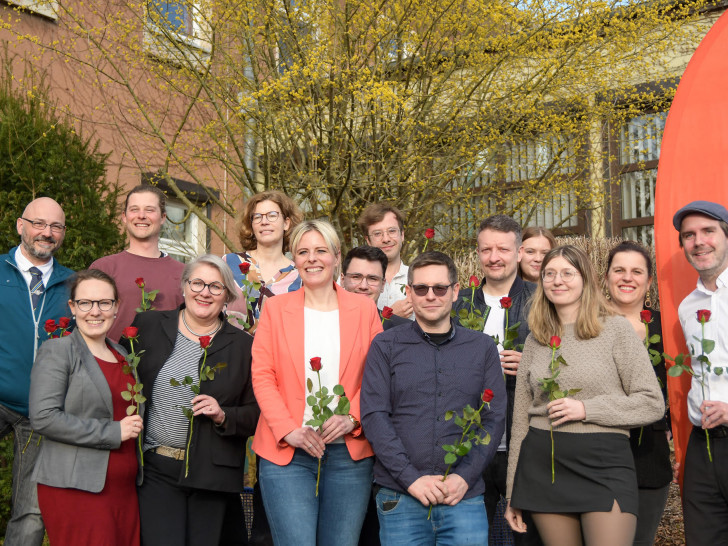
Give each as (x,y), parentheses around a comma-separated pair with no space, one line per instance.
(409,383)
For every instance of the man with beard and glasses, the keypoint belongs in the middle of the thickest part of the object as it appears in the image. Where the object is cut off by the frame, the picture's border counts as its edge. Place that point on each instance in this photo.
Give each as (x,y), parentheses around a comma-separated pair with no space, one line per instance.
(703,229)
(32,291)
(143,217)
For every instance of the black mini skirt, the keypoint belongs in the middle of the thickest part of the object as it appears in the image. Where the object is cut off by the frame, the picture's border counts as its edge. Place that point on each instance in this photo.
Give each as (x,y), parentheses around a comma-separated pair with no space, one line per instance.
(591,471)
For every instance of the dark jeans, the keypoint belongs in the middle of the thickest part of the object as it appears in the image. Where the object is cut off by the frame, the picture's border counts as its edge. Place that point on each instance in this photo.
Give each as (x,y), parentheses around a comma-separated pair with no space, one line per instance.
(495,488)
(652,505)
(26,524)
(705,491)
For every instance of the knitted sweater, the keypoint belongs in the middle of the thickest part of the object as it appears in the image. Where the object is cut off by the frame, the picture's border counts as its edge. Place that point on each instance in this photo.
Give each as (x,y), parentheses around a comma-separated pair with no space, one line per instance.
(618,386)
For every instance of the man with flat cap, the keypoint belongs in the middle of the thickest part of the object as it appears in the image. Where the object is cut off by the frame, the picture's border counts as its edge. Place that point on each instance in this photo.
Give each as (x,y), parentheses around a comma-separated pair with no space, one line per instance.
(703,228)
(32,291)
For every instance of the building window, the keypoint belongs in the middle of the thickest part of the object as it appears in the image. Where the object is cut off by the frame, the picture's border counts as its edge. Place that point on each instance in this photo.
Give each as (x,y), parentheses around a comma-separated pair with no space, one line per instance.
(46,8)
(636,151)
(178,31)
(518,180)
(180,233)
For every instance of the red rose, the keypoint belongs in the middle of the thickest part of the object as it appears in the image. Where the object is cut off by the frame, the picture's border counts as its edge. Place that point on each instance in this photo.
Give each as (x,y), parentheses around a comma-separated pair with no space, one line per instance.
(130,332)
(64,322)
(50,326)
(387,312)
(315,363)
(244,268)
(66,334)
(140,282)
(487,395)
(703,316)
(646,316)
(429,233)
(205,341)
(506,302)
(474,281)
(555,342)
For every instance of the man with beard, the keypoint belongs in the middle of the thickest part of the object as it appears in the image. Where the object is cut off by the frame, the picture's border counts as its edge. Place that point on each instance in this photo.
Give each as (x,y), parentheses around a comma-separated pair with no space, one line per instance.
(32,291)
(143,262)
(703,228)
(500,250)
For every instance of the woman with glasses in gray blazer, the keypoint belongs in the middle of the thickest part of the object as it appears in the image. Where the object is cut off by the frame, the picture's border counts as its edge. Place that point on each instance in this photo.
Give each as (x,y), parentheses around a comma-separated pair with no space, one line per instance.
(87,466)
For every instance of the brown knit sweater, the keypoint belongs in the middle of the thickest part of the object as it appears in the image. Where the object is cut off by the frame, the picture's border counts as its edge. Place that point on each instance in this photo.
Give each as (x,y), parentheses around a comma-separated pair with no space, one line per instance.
(618,386)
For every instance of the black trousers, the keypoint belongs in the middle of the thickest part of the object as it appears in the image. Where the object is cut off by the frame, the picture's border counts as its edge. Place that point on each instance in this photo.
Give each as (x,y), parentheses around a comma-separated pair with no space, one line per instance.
(495,487)
(705,490)
(179,516)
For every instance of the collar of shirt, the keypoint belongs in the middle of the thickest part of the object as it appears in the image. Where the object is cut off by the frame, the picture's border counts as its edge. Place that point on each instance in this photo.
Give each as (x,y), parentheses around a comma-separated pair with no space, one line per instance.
(24,264)
(721,282)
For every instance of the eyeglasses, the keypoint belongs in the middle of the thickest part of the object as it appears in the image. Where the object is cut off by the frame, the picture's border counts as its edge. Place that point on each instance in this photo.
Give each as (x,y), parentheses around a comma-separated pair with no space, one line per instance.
(198,285)
(422,289)
(87,305)
(271,216)
(567,275)
(356,278)
(392,232)
(40,225)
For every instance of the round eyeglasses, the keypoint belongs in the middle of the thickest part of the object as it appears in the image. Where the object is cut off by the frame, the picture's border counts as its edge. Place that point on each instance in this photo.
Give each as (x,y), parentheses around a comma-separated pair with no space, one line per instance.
(198,285)
(271,216)
(567,275)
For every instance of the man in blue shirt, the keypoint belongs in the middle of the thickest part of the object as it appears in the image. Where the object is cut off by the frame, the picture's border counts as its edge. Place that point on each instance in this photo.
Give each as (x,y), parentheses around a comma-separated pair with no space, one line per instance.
(32,291)
(413,376)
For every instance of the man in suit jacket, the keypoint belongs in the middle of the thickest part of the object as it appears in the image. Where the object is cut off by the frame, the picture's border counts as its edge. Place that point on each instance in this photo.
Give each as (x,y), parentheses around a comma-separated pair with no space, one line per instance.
(362,272)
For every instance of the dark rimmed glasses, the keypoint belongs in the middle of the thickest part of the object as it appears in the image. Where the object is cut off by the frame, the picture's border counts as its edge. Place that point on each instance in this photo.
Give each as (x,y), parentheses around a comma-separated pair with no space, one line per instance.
(422,289)
(198,285)
(271,216)
(40,225)
(86,305)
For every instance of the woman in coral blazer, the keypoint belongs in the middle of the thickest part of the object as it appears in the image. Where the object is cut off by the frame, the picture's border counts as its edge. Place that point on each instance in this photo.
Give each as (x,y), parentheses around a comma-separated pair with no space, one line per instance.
(321,321)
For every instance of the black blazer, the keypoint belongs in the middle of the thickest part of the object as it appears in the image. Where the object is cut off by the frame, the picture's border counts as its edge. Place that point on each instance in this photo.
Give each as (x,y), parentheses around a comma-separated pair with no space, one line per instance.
(217,454)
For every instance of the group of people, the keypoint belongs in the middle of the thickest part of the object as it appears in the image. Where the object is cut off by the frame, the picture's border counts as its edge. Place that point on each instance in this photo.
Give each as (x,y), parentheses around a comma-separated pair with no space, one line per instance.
(133,386)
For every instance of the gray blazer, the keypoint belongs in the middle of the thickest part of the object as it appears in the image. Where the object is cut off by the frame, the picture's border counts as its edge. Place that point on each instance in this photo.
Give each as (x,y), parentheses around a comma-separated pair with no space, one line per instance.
(71,406)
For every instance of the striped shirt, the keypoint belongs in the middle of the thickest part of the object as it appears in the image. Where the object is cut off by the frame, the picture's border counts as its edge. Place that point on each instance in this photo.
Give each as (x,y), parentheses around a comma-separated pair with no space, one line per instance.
(167,425)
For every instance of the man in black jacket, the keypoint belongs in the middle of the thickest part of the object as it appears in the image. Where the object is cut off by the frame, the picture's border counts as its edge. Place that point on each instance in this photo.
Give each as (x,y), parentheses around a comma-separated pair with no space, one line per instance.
(499,250)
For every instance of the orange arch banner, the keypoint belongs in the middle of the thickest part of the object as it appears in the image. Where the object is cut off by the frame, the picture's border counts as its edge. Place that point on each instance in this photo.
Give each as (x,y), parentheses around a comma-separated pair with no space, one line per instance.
(693,165)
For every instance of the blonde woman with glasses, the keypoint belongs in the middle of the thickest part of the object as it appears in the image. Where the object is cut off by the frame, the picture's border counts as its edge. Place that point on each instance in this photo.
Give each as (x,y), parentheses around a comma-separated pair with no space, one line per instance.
(570,463)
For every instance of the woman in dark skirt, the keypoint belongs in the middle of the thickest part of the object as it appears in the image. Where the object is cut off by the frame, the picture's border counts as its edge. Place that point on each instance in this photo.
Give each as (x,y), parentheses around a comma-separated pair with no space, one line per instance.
(629,276)
(584,380)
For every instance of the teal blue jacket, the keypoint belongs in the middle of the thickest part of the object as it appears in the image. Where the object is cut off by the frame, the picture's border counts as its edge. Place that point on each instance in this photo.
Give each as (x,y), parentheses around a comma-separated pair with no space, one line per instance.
(21,333)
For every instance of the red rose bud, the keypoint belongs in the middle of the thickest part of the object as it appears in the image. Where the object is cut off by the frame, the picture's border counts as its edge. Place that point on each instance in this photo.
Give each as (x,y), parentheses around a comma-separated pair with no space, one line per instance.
(140,282)
(130,332)
(487,395)
(205,341)
(66,334)
(429,233)
(555,342)
(315,363)
(646,316)
(244,268)
(387,312)
(50,326)
(64,322)
(506,302)
(474,281)
(703,316)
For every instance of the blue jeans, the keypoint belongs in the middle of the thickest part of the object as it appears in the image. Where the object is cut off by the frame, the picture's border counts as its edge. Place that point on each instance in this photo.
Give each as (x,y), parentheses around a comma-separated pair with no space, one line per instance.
(26,525)
(298,517)
(403,520)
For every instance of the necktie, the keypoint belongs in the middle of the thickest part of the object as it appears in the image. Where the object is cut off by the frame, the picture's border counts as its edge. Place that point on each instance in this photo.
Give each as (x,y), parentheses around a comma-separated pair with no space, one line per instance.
(36,286)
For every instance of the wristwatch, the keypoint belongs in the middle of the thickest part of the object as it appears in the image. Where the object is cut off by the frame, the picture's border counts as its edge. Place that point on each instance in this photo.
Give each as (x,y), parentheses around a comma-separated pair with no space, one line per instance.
(354,422)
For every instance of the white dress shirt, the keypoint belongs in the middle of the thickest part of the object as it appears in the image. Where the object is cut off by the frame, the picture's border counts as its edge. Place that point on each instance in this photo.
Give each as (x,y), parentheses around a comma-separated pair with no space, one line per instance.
(716,386)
